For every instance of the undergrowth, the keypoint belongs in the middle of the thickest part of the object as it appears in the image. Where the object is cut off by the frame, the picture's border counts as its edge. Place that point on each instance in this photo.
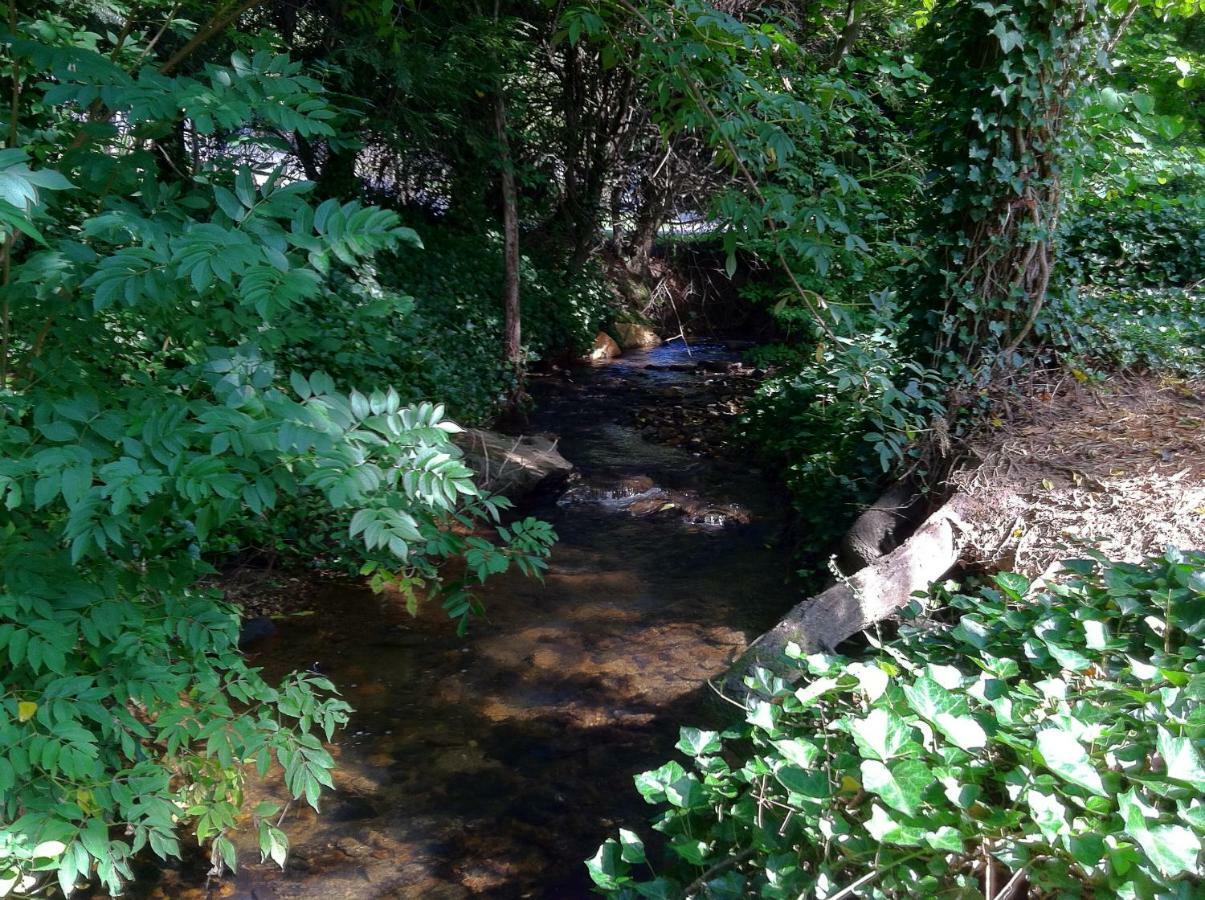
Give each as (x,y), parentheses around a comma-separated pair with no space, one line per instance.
(1045,737)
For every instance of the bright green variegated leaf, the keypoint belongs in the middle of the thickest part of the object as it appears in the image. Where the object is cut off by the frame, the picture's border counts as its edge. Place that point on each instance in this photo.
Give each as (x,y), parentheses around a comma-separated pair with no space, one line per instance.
(882,735)
(901,785)
(1066,757)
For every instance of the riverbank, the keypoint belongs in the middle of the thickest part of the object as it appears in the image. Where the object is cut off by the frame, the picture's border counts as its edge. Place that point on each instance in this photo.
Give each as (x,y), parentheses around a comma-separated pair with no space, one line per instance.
(1117,467)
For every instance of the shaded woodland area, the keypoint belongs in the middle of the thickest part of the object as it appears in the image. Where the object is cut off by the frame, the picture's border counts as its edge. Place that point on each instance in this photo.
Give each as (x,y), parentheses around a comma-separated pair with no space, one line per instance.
(263,263)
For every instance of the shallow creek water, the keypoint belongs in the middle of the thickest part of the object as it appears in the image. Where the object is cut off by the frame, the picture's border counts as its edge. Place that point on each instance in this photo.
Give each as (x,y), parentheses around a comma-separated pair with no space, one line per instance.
(495,763)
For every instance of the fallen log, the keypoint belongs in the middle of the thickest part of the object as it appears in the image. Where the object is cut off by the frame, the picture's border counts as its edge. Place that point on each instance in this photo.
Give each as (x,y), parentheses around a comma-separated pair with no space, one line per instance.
(880,527)
(514,466)
(870,595)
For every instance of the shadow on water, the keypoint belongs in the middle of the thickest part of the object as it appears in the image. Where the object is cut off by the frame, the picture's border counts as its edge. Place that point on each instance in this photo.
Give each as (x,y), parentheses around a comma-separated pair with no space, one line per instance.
(494,764)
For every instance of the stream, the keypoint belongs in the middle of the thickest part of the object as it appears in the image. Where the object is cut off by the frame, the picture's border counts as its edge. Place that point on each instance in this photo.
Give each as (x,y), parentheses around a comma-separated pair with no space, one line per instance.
(492,765)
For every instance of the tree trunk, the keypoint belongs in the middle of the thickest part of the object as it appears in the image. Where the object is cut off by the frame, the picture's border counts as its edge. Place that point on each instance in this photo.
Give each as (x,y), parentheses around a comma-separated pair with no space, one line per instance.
(172,160)
(849,34)
(512,339)
(338,177)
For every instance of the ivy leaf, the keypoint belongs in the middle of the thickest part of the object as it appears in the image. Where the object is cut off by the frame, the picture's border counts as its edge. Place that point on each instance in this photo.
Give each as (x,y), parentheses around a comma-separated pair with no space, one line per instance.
(1012,583)
(685,792)
(807,782)
(1048,813)
(881,735)
(800,752)
(1009,38)
(1066,757)
(652,784)
(945,838)
(607,868)
(947,711)
(883,828)
(694,742)
(632,847)
(901,785)
(1172,848)
(1181,759)
(871,679)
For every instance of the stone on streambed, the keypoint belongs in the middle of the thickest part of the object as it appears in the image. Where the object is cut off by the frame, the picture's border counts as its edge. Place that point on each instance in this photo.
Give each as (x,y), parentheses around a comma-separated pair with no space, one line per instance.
(510,465)
(634,336)
(604,347)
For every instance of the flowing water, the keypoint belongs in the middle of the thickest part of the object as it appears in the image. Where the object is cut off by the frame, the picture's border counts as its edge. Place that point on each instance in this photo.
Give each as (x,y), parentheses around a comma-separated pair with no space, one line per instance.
(495,763)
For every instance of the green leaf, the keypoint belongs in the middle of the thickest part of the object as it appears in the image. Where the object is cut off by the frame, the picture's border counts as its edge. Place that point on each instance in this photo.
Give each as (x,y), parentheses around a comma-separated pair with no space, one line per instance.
(882,735)
(1012,583)
(632,846)
(278,845)
(1048,813)
(606,867)
(963,731)
(1172,848)
(807,782)
(685,792)
(1009,38)
(1066,757)
(694,742)
(1180,759)
(901,785)
(947,711)
(693,851)
(798,751)
(887,830)
(945,838)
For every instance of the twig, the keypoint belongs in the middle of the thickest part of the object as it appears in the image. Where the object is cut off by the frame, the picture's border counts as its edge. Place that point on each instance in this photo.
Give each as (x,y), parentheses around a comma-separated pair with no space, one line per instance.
(722,866)
(1006,891)
(216,24)
(869,877)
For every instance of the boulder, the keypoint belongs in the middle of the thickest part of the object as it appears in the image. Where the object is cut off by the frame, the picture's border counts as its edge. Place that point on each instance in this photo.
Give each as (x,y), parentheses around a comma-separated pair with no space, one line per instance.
(604,347)
(510,465)
(633,336)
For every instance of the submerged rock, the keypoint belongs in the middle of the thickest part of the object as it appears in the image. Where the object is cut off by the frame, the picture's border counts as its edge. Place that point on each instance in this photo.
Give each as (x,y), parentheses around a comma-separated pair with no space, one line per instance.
(509,465)
(633,336)
(604,347)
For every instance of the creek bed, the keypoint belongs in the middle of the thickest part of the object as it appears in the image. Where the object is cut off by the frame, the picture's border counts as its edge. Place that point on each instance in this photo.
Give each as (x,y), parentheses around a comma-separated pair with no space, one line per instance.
(492,765)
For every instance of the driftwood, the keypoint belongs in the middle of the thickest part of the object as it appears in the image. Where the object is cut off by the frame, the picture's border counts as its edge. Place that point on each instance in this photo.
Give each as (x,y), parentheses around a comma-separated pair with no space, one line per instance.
(820,623)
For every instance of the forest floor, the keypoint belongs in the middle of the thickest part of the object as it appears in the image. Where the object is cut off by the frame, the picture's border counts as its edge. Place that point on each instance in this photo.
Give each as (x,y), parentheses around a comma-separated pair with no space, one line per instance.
(1117,466)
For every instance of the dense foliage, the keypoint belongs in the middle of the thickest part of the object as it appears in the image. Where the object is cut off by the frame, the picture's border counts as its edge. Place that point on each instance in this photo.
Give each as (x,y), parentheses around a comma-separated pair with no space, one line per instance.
(1059,221)
(257,257)
(149,407)
(833,432)
(1047,736)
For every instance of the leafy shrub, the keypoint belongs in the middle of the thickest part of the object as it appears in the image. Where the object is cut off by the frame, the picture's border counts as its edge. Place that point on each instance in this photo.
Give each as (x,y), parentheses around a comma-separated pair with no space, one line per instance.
(835,420)
(1058,735)
(149,407)
(433,322)
(452,339)
(1135,242)
(1145,328)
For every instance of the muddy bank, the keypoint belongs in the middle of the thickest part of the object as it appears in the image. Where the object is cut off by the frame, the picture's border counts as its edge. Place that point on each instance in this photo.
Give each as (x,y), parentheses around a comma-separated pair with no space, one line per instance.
(492,765)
